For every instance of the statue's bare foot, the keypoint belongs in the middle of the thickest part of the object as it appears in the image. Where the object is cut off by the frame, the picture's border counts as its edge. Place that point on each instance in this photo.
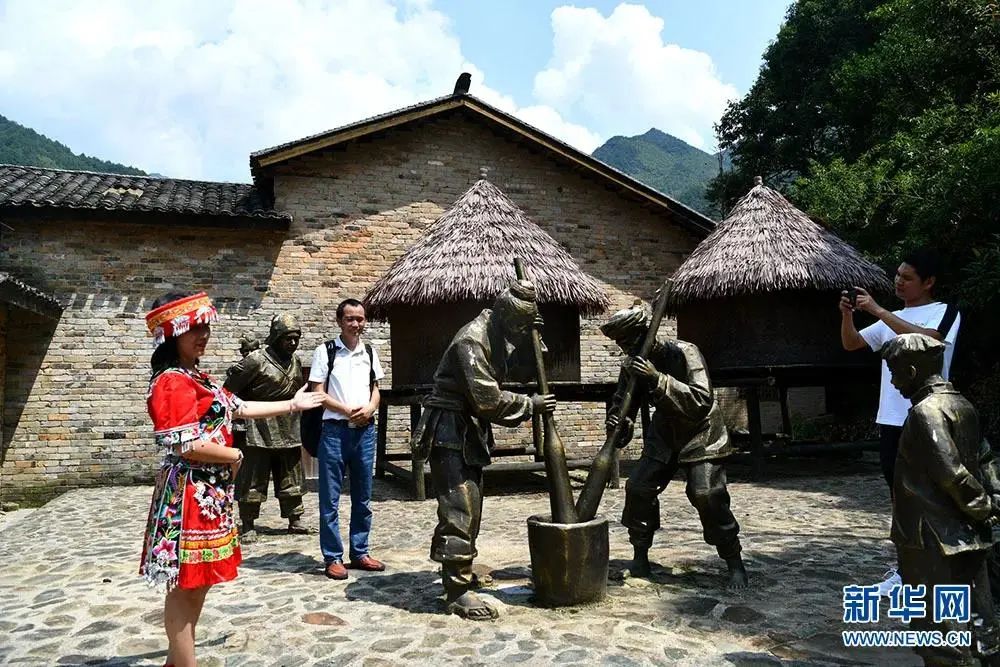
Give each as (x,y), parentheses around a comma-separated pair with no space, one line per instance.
(738,579)
(472,607)
(248,536)
(295,527)
(640,569)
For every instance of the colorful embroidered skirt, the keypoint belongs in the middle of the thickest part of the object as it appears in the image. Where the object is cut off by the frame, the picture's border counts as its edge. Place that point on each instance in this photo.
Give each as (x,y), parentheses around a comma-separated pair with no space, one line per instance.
(191,537)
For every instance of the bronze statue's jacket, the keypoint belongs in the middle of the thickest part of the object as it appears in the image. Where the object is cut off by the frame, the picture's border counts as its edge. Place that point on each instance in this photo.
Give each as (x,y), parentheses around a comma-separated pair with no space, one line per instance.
(938,495)
(467,396)
(260,377)
(687,422)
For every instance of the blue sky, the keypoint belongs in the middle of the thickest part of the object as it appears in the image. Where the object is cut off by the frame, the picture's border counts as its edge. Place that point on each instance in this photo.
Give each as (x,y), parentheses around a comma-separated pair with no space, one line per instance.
(188,89)
(733,32)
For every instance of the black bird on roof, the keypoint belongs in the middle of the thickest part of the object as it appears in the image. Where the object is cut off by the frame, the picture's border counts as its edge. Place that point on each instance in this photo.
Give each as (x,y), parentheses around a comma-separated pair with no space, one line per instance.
(462,84)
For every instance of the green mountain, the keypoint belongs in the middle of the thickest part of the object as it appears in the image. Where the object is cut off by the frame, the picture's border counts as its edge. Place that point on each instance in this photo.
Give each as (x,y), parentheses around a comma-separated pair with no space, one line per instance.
(22,145)
(666,163)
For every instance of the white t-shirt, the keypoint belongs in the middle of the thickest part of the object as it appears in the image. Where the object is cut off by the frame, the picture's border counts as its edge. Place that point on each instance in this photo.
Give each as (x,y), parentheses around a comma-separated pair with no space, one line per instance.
(892,407)
(351,374)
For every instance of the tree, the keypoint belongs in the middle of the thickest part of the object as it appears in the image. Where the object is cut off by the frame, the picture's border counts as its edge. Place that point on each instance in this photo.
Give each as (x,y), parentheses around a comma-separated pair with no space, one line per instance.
(894,141)
(793,112)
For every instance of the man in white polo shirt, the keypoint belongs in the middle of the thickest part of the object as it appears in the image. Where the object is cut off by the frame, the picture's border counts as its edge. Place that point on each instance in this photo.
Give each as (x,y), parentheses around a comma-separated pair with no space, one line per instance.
(347,442)
(921,313)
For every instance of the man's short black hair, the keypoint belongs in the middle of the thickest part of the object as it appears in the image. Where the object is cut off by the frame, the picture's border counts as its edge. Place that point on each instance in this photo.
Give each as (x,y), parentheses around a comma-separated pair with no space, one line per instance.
(344,304)
(925,261)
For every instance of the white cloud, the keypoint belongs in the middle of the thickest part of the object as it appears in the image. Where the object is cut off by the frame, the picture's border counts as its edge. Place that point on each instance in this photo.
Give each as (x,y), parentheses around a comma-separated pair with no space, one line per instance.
(543,117)
(616,75)
(189,88)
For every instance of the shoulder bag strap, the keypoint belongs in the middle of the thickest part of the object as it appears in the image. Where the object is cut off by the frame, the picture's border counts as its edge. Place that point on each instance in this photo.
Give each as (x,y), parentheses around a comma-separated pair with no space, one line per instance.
(950,313)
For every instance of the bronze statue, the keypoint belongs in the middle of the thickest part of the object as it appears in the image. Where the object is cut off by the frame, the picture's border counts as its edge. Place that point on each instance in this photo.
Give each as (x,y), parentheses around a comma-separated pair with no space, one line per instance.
(941,513)
(248,343)
(604,461)
(455,433)
(686,431)
(272,445)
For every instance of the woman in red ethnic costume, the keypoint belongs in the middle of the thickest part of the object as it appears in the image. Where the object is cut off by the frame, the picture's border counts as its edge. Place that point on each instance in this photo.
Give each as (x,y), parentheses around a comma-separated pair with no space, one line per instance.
(191,539)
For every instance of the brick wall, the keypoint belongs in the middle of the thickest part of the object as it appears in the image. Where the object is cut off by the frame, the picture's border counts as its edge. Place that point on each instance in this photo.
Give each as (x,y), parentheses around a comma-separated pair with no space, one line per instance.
(3,373)
(75,411)
(74,414)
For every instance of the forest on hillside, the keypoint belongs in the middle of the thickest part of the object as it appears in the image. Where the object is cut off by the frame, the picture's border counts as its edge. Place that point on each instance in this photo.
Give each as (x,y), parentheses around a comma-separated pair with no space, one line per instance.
(22,145)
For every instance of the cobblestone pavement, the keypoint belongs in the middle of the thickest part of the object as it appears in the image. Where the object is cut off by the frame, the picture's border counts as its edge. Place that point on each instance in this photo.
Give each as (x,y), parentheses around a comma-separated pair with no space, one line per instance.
(69,593)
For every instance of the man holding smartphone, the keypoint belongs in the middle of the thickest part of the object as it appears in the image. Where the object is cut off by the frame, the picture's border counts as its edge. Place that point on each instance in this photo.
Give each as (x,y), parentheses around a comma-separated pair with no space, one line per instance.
(915,281)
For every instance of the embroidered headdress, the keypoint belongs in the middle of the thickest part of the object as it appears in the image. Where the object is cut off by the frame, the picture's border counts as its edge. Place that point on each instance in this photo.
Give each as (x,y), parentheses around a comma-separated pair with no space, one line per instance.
(177,317)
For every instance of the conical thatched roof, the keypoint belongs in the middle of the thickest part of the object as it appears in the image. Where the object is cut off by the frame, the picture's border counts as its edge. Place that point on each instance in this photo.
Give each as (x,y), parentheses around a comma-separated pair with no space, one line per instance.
(468,253)
(766,245)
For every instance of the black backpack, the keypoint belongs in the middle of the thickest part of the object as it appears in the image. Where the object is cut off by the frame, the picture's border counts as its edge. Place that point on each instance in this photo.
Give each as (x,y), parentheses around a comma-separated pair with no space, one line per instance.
(311,423)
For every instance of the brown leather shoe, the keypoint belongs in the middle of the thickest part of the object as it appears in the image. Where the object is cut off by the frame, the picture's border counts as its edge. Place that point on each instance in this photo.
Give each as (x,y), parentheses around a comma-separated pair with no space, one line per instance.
(336,570)
(367,563)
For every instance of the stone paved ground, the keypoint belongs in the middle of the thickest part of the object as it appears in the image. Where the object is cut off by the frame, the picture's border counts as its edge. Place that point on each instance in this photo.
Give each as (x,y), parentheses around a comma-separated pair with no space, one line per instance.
(68,593)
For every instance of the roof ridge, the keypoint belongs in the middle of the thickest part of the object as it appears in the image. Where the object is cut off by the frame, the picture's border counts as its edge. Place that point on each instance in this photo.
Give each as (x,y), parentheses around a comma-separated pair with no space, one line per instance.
(618,171)
(362,121)
(701,222)
(158,179)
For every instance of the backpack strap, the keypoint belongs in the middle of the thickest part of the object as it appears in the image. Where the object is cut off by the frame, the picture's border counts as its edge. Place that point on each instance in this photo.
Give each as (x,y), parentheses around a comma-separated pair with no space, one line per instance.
(331,356)
(371,369)
(950,313)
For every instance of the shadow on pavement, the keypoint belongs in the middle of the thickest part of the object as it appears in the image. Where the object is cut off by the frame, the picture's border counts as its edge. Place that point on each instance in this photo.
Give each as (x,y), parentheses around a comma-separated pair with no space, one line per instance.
(415,592)
(290,561)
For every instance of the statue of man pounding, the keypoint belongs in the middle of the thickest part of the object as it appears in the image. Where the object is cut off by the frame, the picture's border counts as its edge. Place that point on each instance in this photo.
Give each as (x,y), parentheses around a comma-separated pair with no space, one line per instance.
(686,431)
(455,432)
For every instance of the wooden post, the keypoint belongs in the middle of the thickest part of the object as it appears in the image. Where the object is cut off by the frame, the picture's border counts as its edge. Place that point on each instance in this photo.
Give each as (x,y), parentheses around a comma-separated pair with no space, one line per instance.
(417,467)
(786,419)
(381,438)
(756,436)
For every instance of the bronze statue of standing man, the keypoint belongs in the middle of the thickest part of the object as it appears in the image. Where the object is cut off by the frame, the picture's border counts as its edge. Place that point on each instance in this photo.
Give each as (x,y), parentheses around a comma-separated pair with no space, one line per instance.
(455,432)
(942,510)
(686,432)
(273,447)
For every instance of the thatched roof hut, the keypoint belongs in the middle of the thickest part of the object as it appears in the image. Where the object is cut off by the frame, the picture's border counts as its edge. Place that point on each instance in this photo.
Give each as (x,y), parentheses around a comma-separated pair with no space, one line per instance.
(463,260)
(762,288)
(468,254)
(766,245)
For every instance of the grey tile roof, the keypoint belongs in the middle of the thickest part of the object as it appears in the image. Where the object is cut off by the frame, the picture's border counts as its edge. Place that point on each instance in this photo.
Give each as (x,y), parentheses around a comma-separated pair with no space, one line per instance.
(22,187)
(25,296)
